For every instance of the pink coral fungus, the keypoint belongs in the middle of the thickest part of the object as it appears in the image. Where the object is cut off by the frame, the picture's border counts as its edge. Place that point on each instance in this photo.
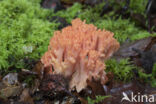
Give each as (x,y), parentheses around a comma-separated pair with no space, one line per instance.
(78,52)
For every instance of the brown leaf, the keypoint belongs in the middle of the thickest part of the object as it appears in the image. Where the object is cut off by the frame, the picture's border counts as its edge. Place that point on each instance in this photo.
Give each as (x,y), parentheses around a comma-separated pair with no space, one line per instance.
(10,91)
(25,97)
(126,49)
(10,86)
(39,69)
(54,86)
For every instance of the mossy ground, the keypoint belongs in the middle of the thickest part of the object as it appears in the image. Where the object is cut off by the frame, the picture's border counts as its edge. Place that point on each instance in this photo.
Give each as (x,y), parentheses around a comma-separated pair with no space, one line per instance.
(25,30)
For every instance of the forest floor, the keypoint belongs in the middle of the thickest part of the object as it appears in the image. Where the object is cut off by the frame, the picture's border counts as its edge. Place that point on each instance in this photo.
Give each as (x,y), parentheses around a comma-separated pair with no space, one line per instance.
(26,27)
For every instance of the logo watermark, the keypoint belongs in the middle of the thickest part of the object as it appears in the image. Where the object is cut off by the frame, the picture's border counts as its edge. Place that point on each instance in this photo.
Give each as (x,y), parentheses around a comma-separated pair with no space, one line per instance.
(138,98)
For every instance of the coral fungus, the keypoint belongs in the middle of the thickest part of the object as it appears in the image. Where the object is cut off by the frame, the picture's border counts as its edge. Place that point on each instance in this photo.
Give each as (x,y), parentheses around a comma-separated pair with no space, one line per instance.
(78,52)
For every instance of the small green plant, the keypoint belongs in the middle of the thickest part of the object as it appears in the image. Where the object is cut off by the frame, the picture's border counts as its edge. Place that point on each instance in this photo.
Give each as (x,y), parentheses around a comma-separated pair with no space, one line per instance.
(29,80)
(138,6)
(122,70)
(97,100)
(149,78)
(70,13)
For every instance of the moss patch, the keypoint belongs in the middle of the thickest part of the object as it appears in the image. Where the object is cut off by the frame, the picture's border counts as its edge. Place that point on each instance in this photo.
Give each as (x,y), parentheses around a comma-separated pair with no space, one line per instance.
(122,70)
(149,78)
(24,31)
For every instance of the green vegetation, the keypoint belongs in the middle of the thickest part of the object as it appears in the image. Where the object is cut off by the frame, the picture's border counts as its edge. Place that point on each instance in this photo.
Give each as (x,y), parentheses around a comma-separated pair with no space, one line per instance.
(24,31)
(149,78)
(29,80)
(123,29)
(97,100)
(122,70)
(70,13)
(138,6)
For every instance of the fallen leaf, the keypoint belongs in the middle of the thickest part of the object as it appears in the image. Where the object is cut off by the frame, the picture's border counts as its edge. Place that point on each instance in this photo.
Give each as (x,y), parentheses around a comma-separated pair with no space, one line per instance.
(10,91)
(126,49)
(25,97)
(54,86)
(39,69)
(10,86)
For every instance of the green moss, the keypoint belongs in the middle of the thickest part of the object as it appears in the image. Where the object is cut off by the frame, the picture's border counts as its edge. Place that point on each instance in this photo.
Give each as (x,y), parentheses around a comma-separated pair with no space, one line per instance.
(84,12)
(29,80)
(97,100)
(122,70)
(70,13)
(92,14)
(123,29)
(23,26)
(89,15)
(149,78)
(138,6)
